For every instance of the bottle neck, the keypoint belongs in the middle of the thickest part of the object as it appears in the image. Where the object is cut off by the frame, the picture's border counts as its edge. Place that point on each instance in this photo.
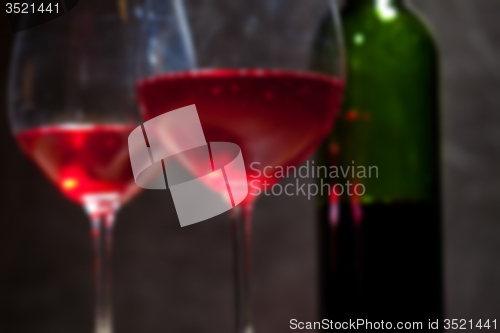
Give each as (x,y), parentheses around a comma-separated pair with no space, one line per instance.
(378,3)
(387,10)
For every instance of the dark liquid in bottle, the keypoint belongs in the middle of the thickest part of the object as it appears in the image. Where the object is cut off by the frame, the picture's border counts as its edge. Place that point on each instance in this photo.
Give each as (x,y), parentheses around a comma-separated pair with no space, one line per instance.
(380,262)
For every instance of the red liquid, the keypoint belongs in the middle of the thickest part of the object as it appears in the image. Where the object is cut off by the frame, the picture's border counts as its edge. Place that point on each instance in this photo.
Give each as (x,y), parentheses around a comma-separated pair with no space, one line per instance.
(82,159)
(278,118)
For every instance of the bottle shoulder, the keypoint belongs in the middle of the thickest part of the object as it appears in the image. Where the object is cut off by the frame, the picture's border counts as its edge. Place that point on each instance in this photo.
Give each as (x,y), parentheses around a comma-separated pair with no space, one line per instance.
(401,29)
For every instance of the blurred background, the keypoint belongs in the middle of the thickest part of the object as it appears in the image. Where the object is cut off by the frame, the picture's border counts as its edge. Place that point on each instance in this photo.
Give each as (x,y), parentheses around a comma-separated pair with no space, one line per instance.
(168,278)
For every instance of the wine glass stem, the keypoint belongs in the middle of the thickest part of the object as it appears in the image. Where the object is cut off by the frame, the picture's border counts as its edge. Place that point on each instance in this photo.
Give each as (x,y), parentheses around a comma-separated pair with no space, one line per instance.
(242,231)
(102,222)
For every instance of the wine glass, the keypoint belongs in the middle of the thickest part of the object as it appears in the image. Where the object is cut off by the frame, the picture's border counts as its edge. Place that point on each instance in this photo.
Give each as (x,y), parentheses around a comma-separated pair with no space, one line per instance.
(256,82)
(72,105)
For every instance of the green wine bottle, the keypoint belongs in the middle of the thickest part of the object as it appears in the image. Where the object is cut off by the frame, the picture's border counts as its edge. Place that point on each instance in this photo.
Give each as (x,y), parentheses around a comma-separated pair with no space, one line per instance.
(381,245)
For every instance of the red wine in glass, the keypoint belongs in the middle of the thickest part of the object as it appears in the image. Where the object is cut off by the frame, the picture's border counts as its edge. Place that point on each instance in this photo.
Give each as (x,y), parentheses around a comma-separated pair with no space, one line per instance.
(276,117)
(82,159)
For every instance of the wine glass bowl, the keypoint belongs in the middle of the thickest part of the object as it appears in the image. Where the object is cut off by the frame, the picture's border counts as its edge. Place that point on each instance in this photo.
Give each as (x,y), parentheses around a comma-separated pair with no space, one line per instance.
(72,102)
(277,117)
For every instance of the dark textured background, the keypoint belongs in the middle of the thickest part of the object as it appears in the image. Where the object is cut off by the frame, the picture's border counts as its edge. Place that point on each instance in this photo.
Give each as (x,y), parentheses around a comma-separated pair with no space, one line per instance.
(172,279)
